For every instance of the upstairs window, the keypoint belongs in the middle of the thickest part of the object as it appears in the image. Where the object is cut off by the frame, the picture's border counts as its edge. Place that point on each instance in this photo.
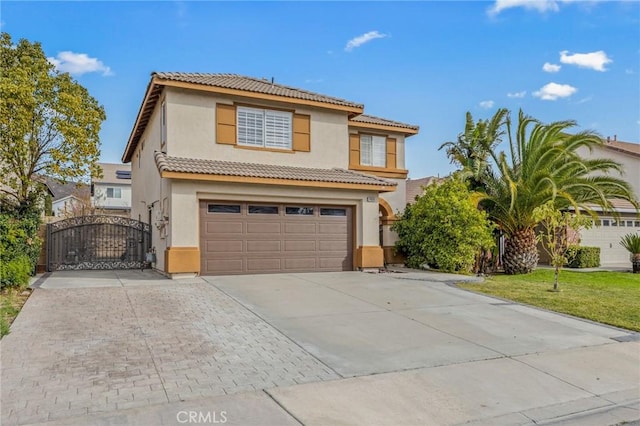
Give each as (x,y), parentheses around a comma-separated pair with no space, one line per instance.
(114,193)
(373,151)
(264,128)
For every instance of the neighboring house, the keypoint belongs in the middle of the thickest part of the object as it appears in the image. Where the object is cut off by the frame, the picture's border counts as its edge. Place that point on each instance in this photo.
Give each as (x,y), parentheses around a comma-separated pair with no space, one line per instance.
(242,175)
(43,200)
(68,198)
(415,187)
(67,206)
(609,230)
(112,192)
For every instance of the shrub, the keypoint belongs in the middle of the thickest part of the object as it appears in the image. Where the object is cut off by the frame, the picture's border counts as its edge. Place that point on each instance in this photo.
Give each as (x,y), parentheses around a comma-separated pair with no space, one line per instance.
(19,246)
(15,272)
(443,228)
(631,242)
(583,257)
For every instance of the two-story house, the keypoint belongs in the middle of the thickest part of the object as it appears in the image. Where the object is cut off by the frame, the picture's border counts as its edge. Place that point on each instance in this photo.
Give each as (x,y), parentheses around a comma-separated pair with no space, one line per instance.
(111,193)
(243,175)
(610,228)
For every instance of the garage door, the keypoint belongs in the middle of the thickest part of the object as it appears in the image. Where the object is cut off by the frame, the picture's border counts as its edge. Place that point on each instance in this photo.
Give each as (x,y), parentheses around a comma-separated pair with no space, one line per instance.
(608,235)
(254,238)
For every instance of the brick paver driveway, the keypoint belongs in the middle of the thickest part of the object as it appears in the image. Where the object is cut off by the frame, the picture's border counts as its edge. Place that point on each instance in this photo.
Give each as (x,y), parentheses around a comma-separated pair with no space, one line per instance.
(132,339)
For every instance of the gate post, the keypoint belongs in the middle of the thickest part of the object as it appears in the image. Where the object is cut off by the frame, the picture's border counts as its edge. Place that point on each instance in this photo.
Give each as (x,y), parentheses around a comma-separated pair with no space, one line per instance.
(48,243)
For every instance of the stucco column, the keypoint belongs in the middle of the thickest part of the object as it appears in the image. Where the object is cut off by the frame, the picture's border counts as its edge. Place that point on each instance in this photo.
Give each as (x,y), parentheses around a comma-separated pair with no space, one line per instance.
(370,254)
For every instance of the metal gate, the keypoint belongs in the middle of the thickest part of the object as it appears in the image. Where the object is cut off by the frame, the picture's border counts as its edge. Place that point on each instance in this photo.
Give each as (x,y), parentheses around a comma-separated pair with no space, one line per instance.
(97,242)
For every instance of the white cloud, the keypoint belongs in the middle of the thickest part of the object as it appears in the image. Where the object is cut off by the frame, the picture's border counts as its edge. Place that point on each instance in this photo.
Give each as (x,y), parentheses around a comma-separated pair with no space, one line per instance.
(79,63)
(538,5)
(517,94)
(486,104)
(362,39)
(553,91)
(629,71)
(584,100)
(548,67)
(541,6)
(594,60)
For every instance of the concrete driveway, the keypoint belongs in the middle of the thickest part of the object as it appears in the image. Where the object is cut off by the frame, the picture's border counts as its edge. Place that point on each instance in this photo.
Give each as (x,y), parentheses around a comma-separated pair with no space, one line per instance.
(317,349)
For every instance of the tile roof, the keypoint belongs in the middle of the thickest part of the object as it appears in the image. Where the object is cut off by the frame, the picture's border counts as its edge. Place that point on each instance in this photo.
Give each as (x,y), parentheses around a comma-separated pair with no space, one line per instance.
(617,205)
(230,168)
(626,147)
(62,190)
(414,187)
(251,84)
(370,119)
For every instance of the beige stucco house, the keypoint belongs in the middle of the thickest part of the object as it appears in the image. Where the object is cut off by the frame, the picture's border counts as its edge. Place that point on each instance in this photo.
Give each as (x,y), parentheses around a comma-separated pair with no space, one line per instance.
(111,193)
(609,229)
(243,175)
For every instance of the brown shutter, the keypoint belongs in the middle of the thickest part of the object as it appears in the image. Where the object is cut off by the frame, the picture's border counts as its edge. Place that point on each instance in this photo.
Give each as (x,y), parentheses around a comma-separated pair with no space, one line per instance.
(226,124)
(391,153)
(301,132)
(354,149)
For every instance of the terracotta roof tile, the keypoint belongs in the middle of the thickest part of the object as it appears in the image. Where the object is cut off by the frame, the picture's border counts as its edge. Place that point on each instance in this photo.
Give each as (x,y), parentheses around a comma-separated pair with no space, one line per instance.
(626,147)
(230,168)
(251,84)
(617,204)
(370,119)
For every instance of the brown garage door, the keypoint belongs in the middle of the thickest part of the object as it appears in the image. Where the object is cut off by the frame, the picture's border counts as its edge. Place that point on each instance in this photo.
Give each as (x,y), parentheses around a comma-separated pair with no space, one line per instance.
(254,238)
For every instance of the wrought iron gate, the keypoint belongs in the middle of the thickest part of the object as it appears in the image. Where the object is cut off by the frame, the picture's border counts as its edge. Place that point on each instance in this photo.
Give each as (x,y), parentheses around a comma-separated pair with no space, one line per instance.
(97,242)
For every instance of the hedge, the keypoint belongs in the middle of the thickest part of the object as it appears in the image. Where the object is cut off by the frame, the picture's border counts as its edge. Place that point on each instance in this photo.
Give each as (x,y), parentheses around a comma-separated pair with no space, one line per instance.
(583,257)
(19,248)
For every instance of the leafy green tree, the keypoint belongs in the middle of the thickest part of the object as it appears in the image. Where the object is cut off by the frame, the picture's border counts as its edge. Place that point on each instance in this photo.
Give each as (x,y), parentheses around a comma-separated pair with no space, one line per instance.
(443,228)
(49,124)
(543,165)
(554,233)
(471,152)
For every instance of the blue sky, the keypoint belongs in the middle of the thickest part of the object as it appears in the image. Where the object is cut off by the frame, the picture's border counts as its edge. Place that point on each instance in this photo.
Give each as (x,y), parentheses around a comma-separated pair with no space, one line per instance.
(424,63)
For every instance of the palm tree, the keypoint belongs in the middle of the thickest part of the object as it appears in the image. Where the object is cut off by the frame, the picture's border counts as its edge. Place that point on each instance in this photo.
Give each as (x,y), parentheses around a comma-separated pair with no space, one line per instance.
(543,166)
(472,149)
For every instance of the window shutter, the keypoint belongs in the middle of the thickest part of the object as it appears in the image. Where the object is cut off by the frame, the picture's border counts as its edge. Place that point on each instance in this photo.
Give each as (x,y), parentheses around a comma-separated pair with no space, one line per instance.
(301,132)
(391,153)
(354,149)
(226,124)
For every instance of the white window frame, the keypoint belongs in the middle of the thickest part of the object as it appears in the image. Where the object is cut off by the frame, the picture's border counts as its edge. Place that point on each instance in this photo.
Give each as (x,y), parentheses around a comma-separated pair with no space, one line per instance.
(114,192)
(373,150)
(264,128)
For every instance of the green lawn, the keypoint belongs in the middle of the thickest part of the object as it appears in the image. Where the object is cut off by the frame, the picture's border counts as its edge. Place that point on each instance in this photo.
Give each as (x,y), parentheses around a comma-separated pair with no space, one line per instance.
(607,297)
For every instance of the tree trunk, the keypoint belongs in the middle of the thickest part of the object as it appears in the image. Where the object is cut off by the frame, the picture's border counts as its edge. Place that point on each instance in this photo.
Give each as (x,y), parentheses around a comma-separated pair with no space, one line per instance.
(520,252)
